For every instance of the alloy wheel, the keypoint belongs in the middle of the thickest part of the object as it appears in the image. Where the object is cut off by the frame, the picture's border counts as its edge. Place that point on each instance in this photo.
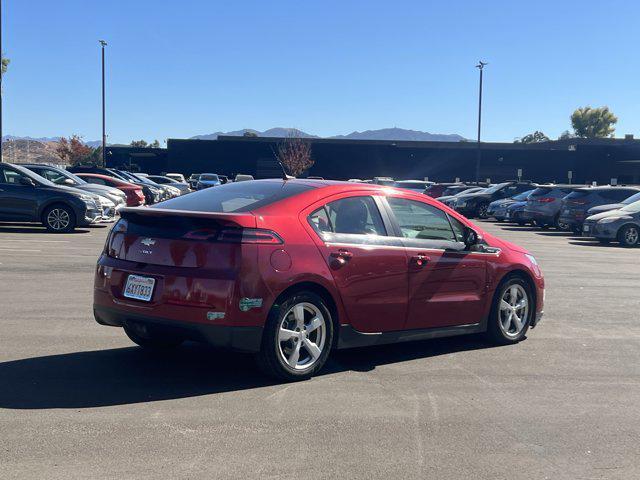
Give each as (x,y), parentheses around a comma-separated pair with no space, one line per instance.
(514,310)
(631,235)
(483,211)
(58,219)
(302,336)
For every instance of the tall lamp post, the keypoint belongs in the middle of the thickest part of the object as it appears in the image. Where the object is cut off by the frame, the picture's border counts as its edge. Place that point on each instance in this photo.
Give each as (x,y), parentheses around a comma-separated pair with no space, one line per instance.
(104,128)
(0,81)
(480,66)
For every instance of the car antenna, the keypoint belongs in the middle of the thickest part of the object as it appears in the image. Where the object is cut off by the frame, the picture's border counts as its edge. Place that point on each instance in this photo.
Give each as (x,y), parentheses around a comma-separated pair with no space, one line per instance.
(285,177)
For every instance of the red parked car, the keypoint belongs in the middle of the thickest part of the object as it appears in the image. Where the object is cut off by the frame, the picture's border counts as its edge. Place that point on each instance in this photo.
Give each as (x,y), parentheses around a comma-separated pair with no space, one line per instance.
(292,269)
(135,196)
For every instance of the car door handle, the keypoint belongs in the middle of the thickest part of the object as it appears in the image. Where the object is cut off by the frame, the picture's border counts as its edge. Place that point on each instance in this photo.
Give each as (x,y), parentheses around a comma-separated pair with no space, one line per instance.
(345,254)
(340,258)
(420,260)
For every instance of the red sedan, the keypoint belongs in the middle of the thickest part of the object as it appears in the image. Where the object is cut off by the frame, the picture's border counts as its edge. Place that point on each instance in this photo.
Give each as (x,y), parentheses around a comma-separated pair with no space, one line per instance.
(135,196)
(292,269)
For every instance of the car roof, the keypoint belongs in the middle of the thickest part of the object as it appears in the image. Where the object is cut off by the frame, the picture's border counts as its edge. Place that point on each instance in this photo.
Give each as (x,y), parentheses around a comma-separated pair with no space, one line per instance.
(604,188)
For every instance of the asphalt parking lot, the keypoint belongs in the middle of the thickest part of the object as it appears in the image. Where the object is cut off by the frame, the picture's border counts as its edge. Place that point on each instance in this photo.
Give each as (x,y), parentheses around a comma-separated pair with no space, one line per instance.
(79,400)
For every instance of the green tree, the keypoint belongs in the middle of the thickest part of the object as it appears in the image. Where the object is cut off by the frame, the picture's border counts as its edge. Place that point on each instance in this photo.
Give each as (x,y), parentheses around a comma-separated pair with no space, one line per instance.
(588,122)
(535,137)
(249,133)
(5,64)
(154,144)
(139,143)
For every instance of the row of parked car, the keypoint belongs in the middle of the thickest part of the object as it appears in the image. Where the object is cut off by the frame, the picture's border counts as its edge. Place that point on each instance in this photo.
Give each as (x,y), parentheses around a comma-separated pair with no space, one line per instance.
(63,199)
(200,181)
(607,213)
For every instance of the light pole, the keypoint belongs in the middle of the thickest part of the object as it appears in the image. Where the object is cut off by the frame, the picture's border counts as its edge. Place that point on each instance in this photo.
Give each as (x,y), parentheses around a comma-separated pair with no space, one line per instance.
(104,128)
(0,81)
(480,66)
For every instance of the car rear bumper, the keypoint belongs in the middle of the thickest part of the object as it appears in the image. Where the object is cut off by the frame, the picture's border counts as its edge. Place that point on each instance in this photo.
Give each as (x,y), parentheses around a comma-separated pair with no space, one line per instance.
(246,339)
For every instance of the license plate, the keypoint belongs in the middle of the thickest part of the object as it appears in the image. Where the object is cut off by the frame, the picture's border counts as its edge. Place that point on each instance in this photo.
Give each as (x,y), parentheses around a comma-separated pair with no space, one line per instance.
(508,215)
(139,288)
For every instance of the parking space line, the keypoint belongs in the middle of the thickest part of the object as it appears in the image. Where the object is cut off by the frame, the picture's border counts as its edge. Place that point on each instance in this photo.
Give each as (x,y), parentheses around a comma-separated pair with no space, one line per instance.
(19,250)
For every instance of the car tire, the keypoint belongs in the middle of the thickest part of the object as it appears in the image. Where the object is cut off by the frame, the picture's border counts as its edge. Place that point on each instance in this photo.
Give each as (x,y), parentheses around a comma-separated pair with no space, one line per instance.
(563,227)
(482,211)
(297,338)
(629,236)
(151,339)
(59,218)
(509,318)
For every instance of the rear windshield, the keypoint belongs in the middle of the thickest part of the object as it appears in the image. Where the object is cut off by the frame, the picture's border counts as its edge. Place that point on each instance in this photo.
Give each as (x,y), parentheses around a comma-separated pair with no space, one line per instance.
(497,187)
(578,194)
(236,197)
(209,177)
(540,191)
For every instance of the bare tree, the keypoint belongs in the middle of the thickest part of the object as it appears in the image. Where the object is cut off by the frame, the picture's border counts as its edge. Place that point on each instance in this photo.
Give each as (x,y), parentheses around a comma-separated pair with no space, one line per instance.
(295,154)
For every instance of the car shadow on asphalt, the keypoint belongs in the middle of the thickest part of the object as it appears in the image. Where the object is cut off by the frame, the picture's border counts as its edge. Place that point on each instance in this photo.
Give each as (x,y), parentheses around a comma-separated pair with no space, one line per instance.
(129,375)
(590,242)
(33,228)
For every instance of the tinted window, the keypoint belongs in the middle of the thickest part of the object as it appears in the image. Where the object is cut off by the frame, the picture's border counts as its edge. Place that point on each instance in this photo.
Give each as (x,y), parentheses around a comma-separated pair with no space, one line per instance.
(9,176)
(320,222)
(236,197)
(632,199)
(577,194)
(209,177)
(421,221)
(617,195)
(96,180)
(355,215)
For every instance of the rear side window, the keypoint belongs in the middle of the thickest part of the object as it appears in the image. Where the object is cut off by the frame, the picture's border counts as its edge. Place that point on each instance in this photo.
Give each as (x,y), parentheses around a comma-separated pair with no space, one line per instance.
(352,215)
(236,197)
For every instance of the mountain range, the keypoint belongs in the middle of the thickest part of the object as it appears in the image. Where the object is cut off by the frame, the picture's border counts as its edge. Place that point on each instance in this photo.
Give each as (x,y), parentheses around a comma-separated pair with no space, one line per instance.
(399,134)
(395,133)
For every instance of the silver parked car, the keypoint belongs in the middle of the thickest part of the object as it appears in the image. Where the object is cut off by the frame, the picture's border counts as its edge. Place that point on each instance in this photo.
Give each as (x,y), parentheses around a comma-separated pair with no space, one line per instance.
(622,225)
(170,182)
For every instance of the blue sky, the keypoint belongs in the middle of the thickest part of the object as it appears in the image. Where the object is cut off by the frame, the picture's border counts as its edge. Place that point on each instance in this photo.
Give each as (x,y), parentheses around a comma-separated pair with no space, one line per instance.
(178,69)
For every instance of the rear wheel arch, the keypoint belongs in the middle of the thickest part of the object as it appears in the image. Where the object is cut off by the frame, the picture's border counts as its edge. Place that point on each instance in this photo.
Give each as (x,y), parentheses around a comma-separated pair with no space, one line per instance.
(318,289)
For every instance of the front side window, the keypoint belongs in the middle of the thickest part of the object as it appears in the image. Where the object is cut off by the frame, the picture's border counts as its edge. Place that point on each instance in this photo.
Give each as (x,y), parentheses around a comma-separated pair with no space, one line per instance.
(421,221)
(352,215)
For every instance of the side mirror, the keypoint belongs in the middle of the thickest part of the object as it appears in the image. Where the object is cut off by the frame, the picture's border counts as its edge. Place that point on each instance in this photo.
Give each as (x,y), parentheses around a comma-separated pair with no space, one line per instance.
(27,182)
(68,181)
(471,238)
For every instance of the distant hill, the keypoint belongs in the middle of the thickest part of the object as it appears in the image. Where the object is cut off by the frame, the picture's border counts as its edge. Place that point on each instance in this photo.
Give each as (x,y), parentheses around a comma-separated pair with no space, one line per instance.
(272,132)
(399,134)
(21,150)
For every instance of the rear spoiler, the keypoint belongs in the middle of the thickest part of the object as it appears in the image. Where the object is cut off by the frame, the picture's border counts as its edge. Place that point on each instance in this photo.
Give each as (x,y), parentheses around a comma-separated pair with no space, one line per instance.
(244,220)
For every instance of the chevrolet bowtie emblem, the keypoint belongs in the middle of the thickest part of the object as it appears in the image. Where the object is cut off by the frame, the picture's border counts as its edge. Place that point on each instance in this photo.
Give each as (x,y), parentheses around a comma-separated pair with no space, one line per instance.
(148,242)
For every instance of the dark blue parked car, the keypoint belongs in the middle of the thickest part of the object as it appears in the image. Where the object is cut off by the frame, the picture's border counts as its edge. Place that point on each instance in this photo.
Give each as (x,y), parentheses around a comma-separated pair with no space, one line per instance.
(498,209)
(208,180)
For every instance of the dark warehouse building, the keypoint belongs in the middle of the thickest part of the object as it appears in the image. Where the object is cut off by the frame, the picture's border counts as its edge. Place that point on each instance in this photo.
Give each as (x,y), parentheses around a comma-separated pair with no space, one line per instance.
(597,160)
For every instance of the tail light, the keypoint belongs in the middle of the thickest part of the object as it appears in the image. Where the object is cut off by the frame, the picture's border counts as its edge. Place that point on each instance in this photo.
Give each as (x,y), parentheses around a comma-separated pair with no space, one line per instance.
(119,227)
(249,235)
(545,200)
